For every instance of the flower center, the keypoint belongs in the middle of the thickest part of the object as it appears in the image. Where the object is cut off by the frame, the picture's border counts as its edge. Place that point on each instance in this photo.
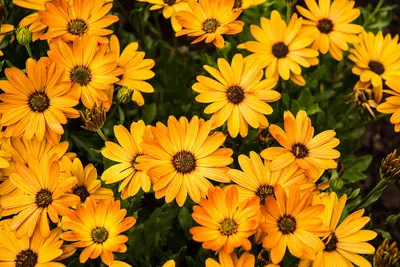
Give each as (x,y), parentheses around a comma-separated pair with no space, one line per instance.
(99,235)
(38,102)
(264,191)
(26,258)
(235,94)
(287,224)
(82,192)
(184,161)
(331,244)
(170,2)
(376,67)
(325,25)
(300,150)
(43,198)
(81,75)
(210,25)
(228,227)
(77,27)
(237,4)
(134,162)
(280,50)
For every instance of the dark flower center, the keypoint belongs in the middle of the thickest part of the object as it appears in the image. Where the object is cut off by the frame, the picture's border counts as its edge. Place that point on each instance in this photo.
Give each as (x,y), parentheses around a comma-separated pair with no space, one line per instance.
(300,150)
(287,224)
(38,102)
(264,191)
(237,4)
(332,241)
(170,2)
(99,235)
(184,161)
(376,67)
(26,258)
(280,50)
(228,227)
(77,27)
(134,162)
(235,94)
(325,25)
(82,192)
(43,198)
(210,25)
(81,75)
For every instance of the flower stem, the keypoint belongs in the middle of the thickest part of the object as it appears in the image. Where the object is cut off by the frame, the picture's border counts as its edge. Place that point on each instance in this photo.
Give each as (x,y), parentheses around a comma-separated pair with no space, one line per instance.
(288,12)
(100,132)
(381,185)
(28,48)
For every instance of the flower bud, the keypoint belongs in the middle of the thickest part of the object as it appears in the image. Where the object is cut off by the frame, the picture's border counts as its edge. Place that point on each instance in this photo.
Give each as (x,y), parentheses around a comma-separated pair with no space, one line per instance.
(94,118)
(336,184)
(390,167)
(124,95)
(24,36)
(385,255)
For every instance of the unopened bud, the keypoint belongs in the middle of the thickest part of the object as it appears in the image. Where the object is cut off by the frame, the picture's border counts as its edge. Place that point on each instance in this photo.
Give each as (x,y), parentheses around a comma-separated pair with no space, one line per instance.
(385,255)
(336,184)
(124,95)
(94,118)
(390,167)
(24,36)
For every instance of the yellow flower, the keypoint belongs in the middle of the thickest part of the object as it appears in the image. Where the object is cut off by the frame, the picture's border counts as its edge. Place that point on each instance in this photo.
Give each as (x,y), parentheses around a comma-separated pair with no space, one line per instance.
(346,240)
(45,195)
(225,222)
(331,25)
(37,104)
(376,58)
(170,263)
(33,20)
(282,48)
(231,260)
(4,29)
(238,96)
(181,156)
(290,221)
(96,227)
(135,68)
(126,154)
(367,96)
(392,103)
(312,154)
(245,4)
(208,20)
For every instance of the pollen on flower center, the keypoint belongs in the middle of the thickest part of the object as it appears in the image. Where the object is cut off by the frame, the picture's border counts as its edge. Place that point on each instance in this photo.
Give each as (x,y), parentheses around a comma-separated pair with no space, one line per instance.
(210,25)
(38,102)
(43,198)
(228,227)
(300,150)
(77,27)
(235,94)
(264,191)
(26,258)
(325,25)
(99,235)
(280,50)
(184,161)
(82,192)
(376,67)
(237,4)
(81,75)
(287,224)
(331,244)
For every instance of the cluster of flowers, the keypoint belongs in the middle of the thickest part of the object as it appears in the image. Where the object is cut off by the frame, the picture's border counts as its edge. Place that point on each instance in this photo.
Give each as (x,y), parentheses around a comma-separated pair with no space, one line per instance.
(49,197)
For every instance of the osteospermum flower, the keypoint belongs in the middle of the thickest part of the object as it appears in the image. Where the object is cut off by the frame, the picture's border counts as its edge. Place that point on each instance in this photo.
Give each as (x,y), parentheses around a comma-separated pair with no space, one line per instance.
(225,222)
(282,48)
(90,68)
(367,96)
(331,25)
(181,156)
(345,240)
(208,20)
(376,58)
(126,154)
(312,154)
(238,96)
(4,29)
(45,195)
(392,103)
(136,70)
(291,222)
(231,260)
(96,227)
(36,27)
(37,104)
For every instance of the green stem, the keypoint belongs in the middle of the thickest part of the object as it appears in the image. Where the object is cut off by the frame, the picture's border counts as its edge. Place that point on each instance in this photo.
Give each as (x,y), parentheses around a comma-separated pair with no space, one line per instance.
(100,132)
(28,48)
(377,8)
(345,116)
(379,186)
(288,12)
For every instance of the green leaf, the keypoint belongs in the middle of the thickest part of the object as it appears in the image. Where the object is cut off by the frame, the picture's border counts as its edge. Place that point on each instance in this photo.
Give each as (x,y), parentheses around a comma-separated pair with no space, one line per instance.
(354,168)
(190,261)
(325,95)
(354,194)
(384,234)
(392,218)
(185,221)
(373,198)
(149,112)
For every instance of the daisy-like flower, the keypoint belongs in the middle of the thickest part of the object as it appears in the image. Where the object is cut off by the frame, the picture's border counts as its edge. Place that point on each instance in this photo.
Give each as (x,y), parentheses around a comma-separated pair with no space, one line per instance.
(392,103)
(87,184)
(90,68)
(96,227)
(70,22)
(366,96)
(4,29)
(312,154)
(36,27)
(376,58)
(245,4)
(231,260)
(37,104)
(136,70)
(331,25)
(181,156)
(345,240)
(45,195)
(238,96)
(291,222)
(126,154)
(282,48)
(225,222)
(208,20)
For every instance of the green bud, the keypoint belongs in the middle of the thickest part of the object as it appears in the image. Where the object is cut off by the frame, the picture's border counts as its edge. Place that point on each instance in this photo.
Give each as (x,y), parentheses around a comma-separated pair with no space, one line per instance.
(124,95)
(24,36)
(336,184)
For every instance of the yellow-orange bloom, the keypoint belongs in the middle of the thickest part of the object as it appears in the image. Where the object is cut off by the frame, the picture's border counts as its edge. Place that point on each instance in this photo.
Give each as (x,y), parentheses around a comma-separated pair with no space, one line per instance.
(392,103)
(231,260)
(4,29)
